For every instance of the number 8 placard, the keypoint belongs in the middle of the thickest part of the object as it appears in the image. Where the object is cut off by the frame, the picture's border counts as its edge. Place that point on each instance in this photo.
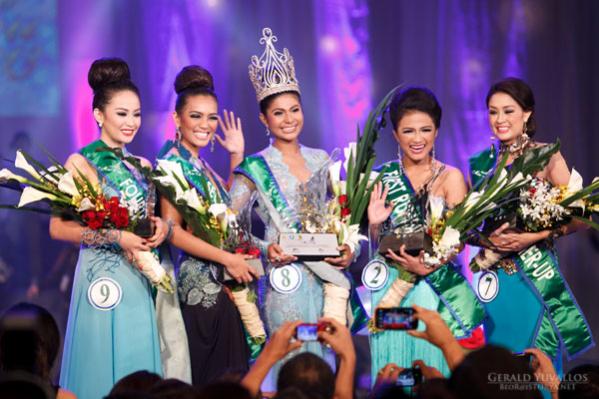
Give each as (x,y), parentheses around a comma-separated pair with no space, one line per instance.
(285,279)
(104,293)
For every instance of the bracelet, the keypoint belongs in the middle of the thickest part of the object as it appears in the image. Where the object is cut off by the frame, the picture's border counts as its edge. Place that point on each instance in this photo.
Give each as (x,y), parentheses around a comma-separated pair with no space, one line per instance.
(171,226)
(97,238)
(558,232)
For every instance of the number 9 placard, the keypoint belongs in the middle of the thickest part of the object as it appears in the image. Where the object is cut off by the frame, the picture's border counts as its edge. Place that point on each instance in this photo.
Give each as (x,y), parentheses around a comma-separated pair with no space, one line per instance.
(285,279)
(104,293)
(375,275)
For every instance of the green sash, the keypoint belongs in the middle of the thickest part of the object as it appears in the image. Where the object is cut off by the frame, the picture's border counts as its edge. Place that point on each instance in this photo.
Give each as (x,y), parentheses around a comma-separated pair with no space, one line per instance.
(458,305)
(196,175)
(562,319)
(124,179)
(256,169)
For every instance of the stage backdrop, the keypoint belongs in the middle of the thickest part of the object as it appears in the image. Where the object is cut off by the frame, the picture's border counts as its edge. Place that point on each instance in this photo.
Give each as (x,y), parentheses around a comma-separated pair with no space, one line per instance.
(348,54)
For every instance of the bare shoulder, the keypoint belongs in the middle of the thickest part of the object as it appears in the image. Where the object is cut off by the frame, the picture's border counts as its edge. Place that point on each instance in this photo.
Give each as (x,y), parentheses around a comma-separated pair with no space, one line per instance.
(453,175)
(77,161)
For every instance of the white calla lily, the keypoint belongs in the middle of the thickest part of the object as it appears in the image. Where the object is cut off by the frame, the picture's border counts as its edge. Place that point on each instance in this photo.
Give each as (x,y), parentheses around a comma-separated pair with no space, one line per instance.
(575,182)
(190,197)
(51,174)
(473,199)
(335,172)
(217,210)
(174,169)
(6,175)
(350,149)
(436,205)
(30,195)
(352,236)
(21,163)
(66,184)
(450,238)
(575,185)
(86,205)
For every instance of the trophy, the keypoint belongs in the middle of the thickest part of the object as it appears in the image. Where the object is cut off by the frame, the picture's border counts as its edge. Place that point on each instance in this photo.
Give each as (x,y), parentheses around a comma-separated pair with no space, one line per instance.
(314,241)
(143,225)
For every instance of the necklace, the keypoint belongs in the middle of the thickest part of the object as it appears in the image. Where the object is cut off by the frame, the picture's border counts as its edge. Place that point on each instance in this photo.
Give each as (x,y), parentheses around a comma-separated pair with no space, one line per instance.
(518,147)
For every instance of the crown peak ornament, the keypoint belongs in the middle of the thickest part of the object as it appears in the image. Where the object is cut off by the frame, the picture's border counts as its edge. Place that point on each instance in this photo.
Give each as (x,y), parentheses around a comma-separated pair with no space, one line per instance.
(273,72)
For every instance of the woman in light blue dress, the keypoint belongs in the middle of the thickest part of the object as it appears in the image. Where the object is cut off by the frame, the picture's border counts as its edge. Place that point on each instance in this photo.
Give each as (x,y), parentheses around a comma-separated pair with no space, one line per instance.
(276,174)
(399,203)
(111,330)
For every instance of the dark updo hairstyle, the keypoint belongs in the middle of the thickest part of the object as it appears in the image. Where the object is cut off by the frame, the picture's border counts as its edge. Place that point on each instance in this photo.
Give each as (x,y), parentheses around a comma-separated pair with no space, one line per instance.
(266,101)
(522,94)
(193,80)
(414,99)
(108,76)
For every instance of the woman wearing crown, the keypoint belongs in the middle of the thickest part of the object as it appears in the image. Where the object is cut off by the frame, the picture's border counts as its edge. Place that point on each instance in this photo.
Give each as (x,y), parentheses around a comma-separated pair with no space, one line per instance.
(276,173)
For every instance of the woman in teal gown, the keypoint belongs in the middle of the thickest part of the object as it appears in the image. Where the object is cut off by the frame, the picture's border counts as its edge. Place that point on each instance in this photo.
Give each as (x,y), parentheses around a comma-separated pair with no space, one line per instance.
(111,330)
(399,203)
(528,302)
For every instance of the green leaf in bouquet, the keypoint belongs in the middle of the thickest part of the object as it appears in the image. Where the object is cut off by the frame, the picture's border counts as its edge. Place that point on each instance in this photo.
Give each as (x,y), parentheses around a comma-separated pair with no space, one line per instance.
(55,162)
(586,191)
(87,183)
(534,159)
(586,221)
(358,205)
(351,180)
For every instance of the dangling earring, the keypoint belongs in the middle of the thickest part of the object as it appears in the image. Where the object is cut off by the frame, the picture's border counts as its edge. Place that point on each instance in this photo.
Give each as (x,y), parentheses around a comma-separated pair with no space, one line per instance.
(399,161)
(100,125)
(178,135)
(267,131)
(433,157)
(524,130)
(212,140)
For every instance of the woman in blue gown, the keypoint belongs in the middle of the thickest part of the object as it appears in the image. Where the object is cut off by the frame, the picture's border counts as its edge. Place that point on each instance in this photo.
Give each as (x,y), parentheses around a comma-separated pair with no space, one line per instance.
(397,204)
(111,330)
(276,173)
(528,302)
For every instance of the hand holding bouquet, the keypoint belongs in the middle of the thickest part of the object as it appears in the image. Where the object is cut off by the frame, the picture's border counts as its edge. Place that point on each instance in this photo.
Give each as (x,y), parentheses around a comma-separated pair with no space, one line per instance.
(218,225)
(74,196)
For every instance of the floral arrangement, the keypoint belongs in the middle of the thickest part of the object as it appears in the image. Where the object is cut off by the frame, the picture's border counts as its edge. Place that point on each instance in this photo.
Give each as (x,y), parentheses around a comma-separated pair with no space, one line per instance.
(449,228)
(74,196)
(218,225)
(542,206)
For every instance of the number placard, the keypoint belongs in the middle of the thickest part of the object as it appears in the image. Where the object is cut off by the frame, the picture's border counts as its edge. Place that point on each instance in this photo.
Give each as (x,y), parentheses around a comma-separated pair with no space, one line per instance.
(488,286)
(285,279)
(375,275)
(104,293)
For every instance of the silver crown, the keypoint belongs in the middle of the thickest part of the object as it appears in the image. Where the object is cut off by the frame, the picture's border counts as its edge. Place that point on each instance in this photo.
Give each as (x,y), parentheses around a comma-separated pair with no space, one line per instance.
(273,72)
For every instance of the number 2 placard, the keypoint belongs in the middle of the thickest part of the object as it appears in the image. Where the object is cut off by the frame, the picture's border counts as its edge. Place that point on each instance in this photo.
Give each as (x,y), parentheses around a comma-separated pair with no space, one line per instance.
(375,275)
(285,279)
(104,293)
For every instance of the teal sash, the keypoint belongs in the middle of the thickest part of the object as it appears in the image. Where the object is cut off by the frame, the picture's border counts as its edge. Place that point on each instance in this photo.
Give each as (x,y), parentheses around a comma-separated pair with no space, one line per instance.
(256,169)
(459,306)
(124,179)
(196,175)
(539,267)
